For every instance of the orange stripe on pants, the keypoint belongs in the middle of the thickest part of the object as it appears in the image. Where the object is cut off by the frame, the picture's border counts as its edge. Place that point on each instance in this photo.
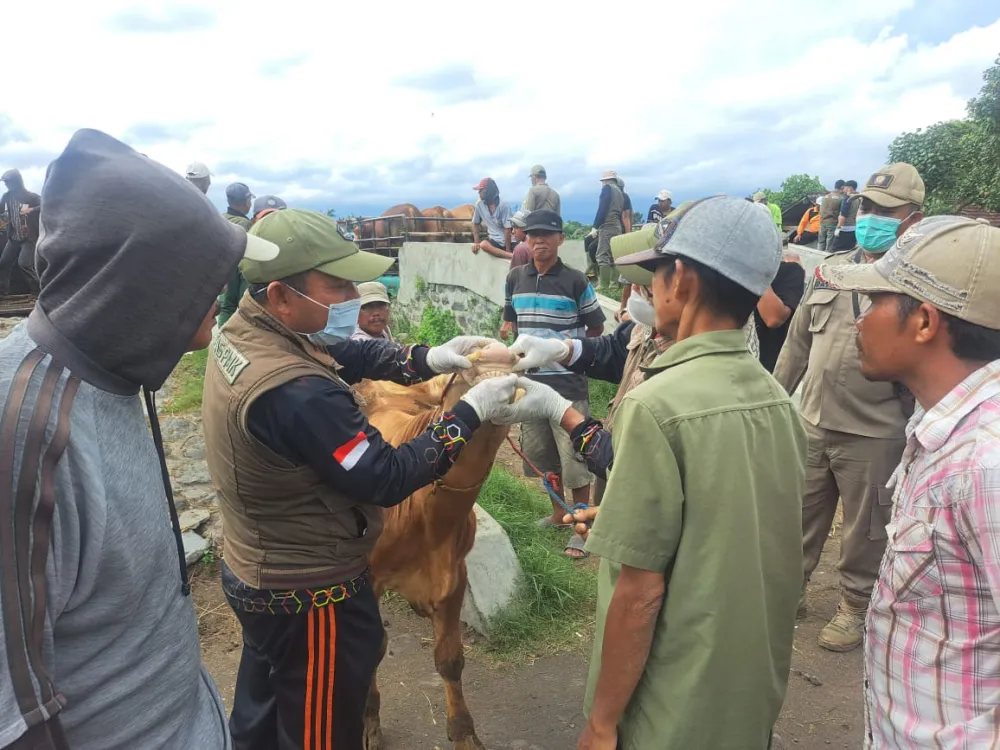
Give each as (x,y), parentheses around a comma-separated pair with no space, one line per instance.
(311,663)
(321,669)
(332,671)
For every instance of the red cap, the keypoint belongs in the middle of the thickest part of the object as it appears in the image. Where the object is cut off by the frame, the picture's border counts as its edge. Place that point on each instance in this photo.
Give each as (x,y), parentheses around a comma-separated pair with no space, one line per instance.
(482,184)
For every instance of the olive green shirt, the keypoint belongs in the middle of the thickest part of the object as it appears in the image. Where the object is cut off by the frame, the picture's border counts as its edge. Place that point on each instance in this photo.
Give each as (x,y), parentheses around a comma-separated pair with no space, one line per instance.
(230,299)
(706,488)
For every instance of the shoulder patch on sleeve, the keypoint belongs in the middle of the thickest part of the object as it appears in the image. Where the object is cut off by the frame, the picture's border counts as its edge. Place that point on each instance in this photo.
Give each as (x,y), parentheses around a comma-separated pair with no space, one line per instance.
(228,358)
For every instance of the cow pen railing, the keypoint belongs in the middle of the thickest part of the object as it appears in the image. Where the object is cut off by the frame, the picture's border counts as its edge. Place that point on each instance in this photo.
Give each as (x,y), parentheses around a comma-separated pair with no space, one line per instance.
(399,229)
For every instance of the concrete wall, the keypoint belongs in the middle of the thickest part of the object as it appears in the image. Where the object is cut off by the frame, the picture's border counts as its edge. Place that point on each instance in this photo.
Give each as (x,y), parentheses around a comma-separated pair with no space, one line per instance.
(472,286)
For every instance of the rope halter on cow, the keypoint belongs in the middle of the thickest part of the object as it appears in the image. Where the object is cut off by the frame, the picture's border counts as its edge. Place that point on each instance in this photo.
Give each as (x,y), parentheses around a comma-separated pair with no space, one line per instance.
(493,360)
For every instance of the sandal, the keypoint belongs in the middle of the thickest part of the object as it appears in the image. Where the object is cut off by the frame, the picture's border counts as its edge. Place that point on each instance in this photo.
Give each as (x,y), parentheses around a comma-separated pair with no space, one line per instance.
(575,544)
(548,523)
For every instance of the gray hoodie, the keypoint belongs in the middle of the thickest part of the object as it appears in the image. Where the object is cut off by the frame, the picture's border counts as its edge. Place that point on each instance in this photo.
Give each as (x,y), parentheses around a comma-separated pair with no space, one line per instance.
(98,639)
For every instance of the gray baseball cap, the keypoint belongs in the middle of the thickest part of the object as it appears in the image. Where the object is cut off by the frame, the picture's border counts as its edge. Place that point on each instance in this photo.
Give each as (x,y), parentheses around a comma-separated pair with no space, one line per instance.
(520,219)
(265,202)
(729,235)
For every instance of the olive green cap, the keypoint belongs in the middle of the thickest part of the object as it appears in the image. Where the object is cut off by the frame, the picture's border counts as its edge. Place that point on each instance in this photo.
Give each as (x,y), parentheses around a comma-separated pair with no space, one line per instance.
(310,241)
(634,242)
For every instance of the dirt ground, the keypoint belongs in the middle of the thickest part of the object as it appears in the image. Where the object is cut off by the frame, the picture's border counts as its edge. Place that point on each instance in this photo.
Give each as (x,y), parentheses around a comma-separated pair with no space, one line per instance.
(537,705)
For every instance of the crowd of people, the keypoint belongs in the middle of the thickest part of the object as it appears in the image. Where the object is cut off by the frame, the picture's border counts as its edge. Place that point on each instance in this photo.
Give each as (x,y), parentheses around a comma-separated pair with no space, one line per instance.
(717,491)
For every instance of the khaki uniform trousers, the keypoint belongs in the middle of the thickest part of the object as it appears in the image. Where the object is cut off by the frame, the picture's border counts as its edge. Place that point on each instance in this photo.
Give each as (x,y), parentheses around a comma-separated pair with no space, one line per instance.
(854,469)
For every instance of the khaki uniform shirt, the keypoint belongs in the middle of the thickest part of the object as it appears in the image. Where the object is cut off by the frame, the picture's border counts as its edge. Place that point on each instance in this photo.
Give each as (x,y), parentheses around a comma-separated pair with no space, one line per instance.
(542,196)
(706,489)
(821,353)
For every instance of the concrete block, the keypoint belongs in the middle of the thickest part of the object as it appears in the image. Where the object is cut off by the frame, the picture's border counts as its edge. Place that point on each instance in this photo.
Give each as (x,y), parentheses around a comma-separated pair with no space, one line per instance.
(494,573)
(194,547)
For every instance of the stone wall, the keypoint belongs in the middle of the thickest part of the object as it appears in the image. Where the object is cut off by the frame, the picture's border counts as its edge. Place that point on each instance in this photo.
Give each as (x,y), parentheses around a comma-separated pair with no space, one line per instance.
(451,277)
(474,313)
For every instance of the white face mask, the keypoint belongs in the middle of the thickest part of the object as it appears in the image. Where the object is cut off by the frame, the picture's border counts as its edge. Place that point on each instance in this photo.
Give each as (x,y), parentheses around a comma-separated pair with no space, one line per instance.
(640,310)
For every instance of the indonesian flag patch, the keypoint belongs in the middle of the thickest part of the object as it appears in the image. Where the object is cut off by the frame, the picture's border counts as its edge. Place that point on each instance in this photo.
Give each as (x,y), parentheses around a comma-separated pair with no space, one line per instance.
(351,452)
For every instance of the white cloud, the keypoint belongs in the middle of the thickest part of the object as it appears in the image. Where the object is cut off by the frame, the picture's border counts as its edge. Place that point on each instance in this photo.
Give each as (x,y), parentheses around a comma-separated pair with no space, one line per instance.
(385,102)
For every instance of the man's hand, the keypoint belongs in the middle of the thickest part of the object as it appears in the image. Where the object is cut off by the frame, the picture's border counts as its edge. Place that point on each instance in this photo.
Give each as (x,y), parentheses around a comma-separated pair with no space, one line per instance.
(25,210)
(538,352)
(594,739)
(506,330)
(539,402)
(452,356)
(475,248)
(582,520)
(490,396)
(593,232)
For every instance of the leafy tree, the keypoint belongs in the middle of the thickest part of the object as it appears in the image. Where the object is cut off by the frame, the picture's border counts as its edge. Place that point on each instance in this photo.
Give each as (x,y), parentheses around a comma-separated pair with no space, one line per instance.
(959,160)
(332,213)
(939,154)
(574,230)
(981,184)
(793,189)
(798,186)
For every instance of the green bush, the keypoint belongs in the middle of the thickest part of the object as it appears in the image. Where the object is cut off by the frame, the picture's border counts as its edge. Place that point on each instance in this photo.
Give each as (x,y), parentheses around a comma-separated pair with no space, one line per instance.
(436,326)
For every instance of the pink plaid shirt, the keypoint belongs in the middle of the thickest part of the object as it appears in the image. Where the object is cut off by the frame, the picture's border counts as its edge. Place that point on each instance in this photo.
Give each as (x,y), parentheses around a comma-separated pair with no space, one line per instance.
(932,645)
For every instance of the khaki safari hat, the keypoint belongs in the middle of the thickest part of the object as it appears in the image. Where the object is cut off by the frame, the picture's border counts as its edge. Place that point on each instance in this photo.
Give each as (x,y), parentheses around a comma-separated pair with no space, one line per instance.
(950,262)
(310,241)
(373,291)
(895,185)
(629,244)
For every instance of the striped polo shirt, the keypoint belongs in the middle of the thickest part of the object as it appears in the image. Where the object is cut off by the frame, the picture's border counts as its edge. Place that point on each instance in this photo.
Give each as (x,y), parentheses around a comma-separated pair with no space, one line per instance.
(558,304)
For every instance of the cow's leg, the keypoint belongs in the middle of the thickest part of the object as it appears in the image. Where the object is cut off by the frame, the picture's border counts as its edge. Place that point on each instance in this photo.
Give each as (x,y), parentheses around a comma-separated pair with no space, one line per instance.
(373,725)
(449,658)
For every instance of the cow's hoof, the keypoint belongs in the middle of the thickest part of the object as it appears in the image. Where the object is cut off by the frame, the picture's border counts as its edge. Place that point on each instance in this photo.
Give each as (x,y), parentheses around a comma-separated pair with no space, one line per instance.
(373,735)
(470,743)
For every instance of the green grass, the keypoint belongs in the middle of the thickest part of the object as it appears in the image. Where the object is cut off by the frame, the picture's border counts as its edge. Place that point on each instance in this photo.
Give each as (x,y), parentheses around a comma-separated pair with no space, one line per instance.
(614,291)
(188,381)
(601,394)
(554,608)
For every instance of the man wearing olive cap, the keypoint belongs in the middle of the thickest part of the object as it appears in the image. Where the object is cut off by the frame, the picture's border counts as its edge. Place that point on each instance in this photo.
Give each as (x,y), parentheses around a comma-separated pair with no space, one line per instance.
(855,426)
(932,637)
(303,477)
(540,195)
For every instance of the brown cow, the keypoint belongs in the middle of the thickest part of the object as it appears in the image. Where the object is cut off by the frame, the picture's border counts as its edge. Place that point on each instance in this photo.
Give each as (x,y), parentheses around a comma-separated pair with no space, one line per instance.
(463,229)
(421,553)
(432,228)
(373,234)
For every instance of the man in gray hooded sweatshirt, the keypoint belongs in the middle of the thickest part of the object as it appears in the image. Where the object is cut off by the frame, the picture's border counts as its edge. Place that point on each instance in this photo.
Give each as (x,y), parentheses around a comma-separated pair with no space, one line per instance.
(98,639)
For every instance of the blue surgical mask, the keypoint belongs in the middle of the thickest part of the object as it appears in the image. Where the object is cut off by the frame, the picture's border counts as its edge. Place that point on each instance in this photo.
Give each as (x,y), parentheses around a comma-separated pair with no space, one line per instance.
(875,233)
(341,321)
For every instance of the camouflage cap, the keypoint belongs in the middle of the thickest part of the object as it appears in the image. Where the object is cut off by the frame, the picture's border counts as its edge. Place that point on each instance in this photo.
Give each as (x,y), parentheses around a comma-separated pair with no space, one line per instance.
(950,262)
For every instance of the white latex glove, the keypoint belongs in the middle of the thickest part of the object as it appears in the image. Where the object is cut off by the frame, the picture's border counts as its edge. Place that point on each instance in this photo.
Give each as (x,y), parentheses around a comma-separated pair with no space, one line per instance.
(593,232)
(538,352)
(538,402)
(490,396)
(452,356)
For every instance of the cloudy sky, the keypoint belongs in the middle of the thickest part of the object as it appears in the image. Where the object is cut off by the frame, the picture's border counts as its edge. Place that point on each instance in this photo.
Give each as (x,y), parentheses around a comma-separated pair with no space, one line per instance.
(363,105)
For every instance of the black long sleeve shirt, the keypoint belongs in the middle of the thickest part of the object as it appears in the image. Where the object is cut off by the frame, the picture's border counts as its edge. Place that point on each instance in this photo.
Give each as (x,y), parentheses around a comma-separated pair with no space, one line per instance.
(603,357)
(316,422)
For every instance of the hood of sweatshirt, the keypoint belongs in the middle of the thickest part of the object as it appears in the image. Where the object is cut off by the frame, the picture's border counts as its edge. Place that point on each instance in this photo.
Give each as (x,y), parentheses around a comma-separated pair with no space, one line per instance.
(131,257)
